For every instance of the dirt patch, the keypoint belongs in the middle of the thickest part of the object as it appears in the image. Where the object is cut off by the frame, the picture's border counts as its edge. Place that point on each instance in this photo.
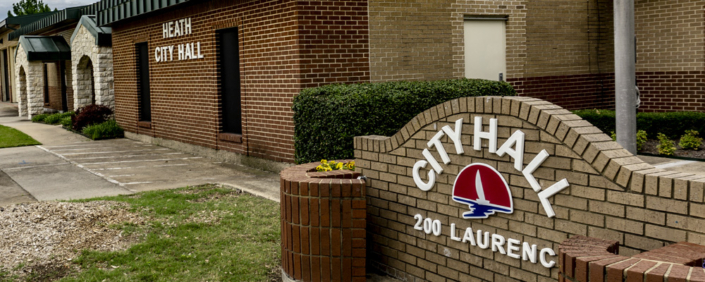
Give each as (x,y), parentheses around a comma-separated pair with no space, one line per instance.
(38,240)
(650,148)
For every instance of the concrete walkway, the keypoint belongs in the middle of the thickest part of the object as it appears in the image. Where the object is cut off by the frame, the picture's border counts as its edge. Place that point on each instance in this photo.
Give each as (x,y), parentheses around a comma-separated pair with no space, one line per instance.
(69,166)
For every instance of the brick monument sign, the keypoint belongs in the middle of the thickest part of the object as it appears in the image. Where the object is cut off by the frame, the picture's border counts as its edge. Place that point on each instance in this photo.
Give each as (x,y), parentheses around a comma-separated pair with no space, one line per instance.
(519,189)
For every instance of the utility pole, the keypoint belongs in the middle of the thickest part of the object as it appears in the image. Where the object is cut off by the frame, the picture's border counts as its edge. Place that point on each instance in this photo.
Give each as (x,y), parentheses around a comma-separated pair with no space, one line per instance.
(625,74)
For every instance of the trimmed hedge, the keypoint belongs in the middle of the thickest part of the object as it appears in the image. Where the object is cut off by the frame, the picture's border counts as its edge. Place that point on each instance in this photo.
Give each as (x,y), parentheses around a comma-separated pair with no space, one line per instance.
(672,124)
(327,118)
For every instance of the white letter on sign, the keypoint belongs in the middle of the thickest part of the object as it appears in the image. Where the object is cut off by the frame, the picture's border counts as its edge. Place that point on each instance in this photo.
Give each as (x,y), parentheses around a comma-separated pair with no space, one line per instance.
(436,166)
(542,257)
(417,178)
(518,154)
(455,136)
(436,141)
(490,135)
(533,165)
(549,192)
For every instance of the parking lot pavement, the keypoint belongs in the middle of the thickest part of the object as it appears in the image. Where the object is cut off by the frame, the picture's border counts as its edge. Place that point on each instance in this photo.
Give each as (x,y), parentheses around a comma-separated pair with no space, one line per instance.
(136,167)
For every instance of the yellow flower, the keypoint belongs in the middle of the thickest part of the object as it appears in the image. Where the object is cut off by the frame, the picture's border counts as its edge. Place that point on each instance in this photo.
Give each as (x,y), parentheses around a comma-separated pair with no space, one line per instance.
(351,166)
(319,168)
(352,163)
(324,161)
(329,169)
(332,163)
(339,166)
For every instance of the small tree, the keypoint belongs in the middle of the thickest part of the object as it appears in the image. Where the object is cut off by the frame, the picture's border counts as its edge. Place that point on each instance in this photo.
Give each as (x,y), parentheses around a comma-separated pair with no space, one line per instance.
(28,7)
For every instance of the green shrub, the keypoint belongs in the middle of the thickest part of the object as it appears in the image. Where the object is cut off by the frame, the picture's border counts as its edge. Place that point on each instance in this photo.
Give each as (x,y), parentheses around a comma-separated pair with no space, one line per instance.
(66,122)
(327,118)
(666,146)
(672,124)
(641,138)
(105,130)
(690,141)
(57,118)
(53,119)
(39,118)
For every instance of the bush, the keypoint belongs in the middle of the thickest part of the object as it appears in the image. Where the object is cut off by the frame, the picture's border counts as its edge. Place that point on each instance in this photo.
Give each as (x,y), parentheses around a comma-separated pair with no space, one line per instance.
(105,130)
(672,124)
(640,139)
(39,118)
(327,118)
(89,115)
(53,118)
(66,122)
(690,141)
(666,146)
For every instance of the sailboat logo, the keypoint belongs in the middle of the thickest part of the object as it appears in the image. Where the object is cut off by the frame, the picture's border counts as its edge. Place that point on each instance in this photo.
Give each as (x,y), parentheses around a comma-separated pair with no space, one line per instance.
(484,190)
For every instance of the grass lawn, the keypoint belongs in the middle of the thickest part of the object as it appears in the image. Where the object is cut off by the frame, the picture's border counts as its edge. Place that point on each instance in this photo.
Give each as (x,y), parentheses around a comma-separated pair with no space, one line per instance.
(10,137)
(200,233)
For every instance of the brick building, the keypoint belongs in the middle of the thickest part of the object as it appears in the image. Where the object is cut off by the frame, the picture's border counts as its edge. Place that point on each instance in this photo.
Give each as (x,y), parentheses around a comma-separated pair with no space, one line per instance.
(62,61)
(8,90)
(557,50)
(176,83)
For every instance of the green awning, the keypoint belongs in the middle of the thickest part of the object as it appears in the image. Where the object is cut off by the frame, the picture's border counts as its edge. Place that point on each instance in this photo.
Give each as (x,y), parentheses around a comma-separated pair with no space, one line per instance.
(45,48)
(102,35)
(111,11)
(13,23)
(55,20)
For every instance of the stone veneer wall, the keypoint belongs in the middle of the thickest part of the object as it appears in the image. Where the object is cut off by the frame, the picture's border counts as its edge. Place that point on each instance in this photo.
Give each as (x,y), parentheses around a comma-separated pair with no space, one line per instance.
(30,82)
(83,48)
(612,195)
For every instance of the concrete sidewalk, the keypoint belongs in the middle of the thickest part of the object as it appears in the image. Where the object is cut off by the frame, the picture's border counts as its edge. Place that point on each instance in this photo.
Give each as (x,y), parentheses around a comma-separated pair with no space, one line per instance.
(69,166)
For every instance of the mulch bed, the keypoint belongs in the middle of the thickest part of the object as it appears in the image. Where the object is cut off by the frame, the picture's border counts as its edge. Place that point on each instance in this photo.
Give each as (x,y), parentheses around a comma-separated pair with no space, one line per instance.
(650,148)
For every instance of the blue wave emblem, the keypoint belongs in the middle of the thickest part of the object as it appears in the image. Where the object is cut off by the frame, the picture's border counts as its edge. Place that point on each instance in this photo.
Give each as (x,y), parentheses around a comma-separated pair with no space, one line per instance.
(479,210)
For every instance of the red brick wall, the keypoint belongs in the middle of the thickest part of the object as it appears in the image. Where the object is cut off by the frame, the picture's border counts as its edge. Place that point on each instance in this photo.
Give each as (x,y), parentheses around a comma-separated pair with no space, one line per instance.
(323,224)
(284,46)
(672,91)
(587,91)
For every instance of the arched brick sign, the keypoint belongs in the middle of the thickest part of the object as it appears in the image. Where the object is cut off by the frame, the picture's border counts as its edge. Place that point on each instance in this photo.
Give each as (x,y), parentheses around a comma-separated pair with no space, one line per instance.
(445,215)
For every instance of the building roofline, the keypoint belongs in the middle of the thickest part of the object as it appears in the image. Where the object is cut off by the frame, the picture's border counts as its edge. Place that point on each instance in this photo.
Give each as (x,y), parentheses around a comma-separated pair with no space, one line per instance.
(112,11)
(13,23)
(68,15)
(102,35)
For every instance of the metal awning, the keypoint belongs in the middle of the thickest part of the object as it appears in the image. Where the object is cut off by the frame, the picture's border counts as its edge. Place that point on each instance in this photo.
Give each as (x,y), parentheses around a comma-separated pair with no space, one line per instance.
(13,23)
(103,35)
(56,19)
(45,48)
(111,11)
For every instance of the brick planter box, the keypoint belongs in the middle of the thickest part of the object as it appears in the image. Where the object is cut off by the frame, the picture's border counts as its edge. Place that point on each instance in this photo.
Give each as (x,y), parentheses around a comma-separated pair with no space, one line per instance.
(323,224)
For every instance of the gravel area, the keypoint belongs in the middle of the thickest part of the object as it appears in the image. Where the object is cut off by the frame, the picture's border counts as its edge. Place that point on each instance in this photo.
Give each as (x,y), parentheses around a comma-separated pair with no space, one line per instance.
(45,236)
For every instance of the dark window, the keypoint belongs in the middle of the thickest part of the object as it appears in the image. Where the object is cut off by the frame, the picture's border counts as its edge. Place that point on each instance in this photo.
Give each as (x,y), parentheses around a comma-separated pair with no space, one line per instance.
(46,84)
(229,67)
(5,77)
(89,66)
(143,78)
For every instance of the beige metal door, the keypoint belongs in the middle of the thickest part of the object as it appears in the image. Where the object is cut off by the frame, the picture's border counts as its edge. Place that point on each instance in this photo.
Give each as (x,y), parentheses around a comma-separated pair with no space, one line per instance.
(485,49)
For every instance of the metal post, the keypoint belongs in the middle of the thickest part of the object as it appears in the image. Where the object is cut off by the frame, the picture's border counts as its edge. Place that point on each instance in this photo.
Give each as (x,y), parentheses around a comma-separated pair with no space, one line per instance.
(625,74)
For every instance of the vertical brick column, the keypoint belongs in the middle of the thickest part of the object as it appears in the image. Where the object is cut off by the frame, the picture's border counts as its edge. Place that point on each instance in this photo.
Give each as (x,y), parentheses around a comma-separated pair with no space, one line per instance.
(323,224)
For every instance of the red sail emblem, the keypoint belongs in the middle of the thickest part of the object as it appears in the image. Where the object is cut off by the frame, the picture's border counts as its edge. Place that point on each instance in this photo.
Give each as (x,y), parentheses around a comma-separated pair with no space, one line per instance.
(484,190)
